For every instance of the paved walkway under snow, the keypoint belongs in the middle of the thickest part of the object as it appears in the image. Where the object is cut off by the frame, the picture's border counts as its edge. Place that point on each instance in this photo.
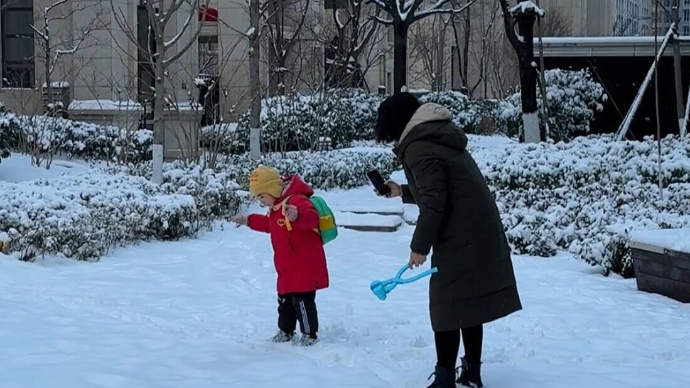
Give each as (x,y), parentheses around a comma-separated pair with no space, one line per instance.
(197,313)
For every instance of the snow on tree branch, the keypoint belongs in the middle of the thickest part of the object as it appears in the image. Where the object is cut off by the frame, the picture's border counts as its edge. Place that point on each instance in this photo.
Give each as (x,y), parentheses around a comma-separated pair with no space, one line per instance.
(381,4)
(527,6)
(185,27)
(386,22)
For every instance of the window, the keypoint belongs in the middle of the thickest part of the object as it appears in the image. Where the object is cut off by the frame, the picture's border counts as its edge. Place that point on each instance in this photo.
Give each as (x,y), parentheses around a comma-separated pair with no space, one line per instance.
(18,66)
(686,30)
(147,47)
(686,15)
(208,55)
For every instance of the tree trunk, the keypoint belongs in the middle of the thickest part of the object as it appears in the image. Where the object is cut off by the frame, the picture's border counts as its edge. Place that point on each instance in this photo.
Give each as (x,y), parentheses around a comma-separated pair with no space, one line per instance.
(542,83)
(158,120)
(680,108)
(255,82)
(440,45)
(49,82)
(528,77)
(466,50)
(400,56)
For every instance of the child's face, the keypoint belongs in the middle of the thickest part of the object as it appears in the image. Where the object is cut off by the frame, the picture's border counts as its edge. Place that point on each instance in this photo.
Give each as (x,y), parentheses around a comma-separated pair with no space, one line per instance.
(267,200)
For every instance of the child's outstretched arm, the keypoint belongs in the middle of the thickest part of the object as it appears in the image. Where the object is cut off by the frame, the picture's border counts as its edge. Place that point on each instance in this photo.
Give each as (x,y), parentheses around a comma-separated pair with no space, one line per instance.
(306,216)
(258,223)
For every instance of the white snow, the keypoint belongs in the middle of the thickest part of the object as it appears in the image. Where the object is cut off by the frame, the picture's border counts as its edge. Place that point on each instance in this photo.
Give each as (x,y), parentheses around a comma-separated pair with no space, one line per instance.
(352,219)
(57,84)
(18,168)
(525,6)
(250,31)
(197,313)
(82,105)
(672,239)
(379,209)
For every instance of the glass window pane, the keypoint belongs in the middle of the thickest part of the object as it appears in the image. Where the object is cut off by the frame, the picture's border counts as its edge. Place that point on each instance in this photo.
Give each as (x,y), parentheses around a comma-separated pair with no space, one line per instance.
(17,23)
(18,76)
(9,4)
(18,49)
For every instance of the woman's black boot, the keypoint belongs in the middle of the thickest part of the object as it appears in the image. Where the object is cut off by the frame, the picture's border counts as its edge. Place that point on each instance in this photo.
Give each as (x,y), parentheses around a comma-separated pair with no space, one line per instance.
(443,378)
(470,375)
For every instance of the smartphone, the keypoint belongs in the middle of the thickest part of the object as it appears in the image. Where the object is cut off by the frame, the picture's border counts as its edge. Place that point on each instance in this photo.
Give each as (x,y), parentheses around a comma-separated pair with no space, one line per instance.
(378,182)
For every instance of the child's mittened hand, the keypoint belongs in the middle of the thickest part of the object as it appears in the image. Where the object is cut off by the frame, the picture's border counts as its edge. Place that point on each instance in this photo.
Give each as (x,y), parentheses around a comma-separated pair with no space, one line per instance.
(291,213)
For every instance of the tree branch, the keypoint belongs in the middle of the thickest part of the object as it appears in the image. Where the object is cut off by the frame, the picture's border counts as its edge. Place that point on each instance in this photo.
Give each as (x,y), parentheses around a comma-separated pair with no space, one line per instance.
(383,21)
(438,8)
(510,29)
(194,39)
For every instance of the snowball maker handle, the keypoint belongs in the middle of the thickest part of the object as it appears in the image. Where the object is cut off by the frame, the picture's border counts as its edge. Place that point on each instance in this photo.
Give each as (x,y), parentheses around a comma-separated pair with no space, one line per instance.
(382,288)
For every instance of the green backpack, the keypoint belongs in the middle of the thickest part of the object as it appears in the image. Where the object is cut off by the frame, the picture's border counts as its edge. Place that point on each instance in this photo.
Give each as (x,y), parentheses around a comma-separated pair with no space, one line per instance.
(328,229)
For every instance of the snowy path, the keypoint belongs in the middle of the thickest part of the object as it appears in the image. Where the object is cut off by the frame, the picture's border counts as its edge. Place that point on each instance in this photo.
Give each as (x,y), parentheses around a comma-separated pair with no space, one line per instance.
(196,314)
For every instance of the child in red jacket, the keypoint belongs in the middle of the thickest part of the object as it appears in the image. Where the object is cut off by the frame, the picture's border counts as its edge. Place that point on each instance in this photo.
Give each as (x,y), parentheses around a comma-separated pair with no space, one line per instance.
(299,257)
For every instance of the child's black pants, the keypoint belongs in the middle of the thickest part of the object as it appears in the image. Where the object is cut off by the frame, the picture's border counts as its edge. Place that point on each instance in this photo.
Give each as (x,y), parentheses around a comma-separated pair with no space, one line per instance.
(298,307)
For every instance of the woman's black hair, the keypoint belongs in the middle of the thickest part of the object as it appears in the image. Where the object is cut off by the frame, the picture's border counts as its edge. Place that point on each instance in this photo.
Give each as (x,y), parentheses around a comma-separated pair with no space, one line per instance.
(393,115)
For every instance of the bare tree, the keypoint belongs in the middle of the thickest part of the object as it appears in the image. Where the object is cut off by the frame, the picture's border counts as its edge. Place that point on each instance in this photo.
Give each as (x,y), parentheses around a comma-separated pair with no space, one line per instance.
(218,76)
(284,21)
(53,45)
(428,48)
(254,36)
(352,31)
(478,20)
(524,15)
(555,24)
(401,15)
(166,52)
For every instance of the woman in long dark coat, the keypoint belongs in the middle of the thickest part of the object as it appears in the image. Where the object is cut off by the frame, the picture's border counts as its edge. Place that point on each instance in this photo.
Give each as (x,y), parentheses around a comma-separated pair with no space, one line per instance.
(459,220)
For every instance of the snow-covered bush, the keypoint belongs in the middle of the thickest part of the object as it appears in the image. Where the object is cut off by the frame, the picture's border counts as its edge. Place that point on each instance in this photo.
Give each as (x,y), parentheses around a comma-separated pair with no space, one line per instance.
(588,195)
(343,169)
(5,141)
(226,138)
(573,99)
(466,113)
(83,216)
(291,123)
(50,135)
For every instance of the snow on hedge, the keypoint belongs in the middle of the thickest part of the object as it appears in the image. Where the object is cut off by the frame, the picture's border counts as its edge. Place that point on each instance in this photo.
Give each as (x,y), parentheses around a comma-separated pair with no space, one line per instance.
(573,99)
(292,123)
(588,195)
(75,138)
(85,215)
(5,141)
(345,169)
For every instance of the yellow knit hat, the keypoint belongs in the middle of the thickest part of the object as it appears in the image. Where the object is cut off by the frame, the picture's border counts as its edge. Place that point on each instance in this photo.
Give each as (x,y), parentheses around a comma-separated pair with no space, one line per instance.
(265,180)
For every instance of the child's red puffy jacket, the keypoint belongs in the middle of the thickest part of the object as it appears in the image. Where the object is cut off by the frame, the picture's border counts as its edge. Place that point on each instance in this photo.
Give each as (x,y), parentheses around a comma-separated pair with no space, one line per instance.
(299,256)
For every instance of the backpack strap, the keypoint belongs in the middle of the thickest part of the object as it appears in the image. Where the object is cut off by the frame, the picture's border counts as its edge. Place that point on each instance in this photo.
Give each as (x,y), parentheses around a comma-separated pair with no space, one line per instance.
(288,225)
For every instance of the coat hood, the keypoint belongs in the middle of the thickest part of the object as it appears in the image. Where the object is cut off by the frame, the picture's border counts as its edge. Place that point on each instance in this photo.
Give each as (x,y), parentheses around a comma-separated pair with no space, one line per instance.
(425,114)
(433,123)
(294,185)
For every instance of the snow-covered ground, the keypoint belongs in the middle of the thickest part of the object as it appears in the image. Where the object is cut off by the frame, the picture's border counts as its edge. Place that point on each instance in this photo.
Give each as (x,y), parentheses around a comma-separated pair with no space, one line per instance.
(197,313)
(17,168)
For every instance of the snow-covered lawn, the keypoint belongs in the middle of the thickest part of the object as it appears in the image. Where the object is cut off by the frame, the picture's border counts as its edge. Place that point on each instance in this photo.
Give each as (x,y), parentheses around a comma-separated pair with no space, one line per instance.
(17,168)
(197,314)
